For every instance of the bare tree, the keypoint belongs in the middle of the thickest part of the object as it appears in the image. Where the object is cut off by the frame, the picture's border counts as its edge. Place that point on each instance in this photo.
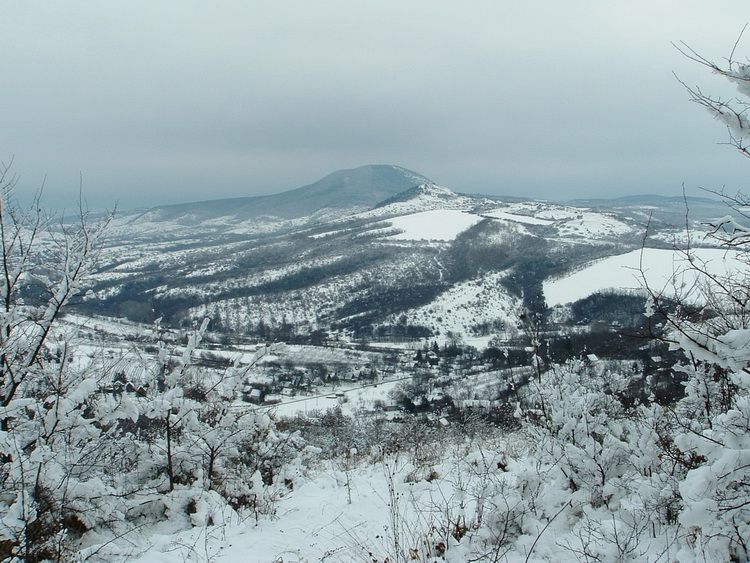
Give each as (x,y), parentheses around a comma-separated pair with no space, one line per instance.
(44,266)
(731,112)
(709,321)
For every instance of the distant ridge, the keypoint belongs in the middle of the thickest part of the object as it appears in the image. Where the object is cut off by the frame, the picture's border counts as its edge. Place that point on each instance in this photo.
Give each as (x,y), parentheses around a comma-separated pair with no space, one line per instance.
(652,208)
(353,189)
(644,199)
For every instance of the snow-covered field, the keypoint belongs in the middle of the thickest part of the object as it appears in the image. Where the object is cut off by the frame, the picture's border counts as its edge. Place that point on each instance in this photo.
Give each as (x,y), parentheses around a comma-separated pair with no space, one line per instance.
(439,224)
(506,216)
(570,222)
(666,271)
(349,399)
(589,225)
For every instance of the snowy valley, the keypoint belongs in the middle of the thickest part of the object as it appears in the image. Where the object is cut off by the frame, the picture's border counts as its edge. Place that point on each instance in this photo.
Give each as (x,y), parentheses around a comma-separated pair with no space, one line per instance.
(376,368)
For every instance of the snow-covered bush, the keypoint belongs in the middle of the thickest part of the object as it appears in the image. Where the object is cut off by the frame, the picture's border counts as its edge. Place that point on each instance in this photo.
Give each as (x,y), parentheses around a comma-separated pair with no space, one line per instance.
(650,482)
(81,461)
(710,426)
(594,466)
(52,451)
(189,438)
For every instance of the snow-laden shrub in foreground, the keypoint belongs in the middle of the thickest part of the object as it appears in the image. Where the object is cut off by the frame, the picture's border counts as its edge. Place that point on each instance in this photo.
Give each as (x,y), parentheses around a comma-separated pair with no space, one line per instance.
(83,464)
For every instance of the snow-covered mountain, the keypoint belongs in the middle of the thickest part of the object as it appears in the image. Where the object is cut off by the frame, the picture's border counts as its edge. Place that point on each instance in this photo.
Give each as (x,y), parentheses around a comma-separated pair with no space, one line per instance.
(377,250)
(344,191)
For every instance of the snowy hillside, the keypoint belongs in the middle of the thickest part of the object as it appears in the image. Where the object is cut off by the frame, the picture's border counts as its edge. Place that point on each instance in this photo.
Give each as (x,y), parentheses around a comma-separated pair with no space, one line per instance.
(345,268)
(665,271)
(467,305)
(568,222)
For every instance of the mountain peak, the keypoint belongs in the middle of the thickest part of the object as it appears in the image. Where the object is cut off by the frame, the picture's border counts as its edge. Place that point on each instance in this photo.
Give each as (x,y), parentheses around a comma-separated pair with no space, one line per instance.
(349,190)
(421,191)
(360,187)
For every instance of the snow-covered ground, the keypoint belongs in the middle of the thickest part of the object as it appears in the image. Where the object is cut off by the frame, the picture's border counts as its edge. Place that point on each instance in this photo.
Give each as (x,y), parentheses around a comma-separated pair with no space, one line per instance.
(590,225)
(570,222)
(666,271)
(425,197)
(439,224)
(506,216)
(466,304)
(344,511)
(350,399)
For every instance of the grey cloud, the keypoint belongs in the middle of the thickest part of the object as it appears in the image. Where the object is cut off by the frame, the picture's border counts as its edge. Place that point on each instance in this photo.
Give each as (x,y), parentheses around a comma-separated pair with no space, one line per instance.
(157,102)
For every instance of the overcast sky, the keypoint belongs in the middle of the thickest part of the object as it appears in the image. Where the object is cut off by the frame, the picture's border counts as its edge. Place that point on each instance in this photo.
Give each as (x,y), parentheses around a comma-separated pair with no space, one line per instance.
(156,102)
